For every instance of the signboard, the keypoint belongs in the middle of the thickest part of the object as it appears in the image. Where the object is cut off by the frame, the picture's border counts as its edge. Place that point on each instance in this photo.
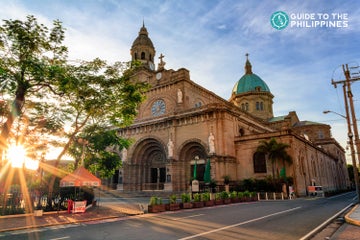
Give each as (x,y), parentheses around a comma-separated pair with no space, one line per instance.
(79,207)
(195,186)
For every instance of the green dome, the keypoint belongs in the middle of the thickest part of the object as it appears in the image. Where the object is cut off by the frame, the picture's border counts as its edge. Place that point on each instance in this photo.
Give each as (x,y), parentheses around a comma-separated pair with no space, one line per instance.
(250,83)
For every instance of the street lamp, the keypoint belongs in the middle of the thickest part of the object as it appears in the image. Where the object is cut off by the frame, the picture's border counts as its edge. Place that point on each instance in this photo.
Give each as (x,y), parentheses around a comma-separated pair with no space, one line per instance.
(351,143)
(329,111)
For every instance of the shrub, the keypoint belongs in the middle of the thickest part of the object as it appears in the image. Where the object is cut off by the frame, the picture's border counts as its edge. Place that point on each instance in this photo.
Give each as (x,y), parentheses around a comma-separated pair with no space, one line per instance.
(153,201)
(224,195)
(196,197)
(233,194)
(218,196)
(172,198)
(205,196)
(185,197)
(226,179)
(247,194)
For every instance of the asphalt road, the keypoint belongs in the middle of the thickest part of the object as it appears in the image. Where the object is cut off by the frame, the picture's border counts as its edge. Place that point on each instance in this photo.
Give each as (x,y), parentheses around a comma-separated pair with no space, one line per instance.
(288,219)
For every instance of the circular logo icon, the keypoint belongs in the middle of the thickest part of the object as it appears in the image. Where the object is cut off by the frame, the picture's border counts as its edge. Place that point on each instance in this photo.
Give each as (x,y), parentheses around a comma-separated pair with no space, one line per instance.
(279,20)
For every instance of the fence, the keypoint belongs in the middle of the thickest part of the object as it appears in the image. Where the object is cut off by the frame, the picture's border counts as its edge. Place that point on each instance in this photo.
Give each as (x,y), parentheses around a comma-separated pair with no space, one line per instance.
(273,196)
(16,203)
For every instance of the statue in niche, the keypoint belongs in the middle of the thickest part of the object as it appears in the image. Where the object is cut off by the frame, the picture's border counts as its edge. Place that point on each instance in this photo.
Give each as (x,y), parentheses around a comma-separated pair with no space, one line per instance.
(179,96)
(124,154)
(211,141)
(170,146)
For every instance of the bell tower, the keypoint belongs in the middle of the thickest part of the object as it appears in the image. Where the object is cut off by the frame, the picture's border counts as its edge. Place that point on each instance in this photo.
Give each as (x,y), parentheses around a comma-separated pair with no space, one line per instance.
(143,49)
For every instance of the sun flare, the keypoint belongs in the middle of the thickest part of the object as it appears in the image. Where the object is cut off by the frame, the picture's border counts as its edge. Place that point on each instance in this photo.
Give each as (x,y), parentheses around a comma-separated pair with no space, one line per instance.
(16,155)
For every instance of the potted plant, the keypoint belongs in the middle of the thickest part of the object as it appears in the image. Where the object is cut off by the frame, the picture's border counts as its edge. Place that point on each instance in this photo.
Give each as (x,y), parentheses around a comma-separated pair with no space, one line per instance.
(226,182)
(185,201)
(234,197)
(225,197)
(247,196)
(218,199)
(206,199)
(173,205)
(156,205)
(197,201)
(240,196)
(38,211)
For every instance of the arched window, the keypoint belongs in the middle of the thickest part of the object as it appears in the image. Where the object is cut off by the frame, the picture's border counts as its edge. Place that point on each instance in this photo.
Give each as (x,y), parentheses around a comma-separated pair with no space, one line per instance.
(259,106)
(142,56)
(259,162)
(136,57)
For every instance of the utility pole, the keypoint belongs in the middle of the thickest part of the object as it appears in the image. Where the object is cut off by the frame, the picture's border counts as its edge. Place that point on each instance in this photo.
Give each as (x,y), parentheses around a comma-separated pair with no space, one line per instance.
(349,100)
(352,109)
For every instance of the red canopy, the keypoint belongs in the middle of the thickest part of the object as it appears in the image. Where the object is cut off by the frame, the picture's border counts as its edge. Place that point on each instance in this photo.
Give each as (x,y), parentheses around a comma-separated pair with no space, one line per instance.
(80,177)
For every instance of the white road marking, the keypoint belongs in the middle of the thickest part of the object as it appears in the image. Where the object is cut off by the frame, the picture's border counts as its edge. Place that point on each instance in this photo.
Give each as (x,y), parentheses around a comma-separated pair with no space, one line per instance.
(67,237)
(239,224)
(175,219)
(310,234)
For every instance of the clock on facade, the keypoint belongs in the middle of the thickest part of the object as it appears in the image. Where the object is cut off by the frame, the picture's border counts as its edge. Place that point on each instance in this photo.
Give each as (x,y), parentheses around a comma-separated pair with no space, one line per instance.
(158,108)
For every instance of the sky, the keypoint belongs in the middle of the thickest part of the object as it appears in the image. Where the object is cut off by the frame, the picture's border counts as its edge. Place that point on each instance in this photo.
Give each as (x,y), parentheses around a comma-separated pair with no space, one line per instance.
(210,38)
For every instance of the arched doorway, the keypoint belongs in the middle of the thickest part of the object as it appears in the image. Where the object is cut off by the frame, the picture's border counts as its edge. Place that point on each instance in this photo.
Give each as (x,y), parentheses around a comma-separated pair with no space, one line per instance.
(192,153)
(148,166)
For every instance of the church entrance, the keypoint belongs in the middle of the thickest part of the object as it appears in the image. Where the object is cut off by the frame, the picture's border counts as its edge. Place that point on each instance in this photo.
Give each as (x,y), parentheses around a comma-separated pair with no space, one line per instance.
(147,171)
(158,175)
(193,156)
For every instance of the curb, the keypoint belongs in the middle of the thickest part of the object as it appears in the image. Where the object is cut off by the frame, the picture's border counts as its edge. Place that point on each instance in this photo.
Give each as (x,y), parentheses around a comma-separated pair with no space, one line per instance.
(55,224)
(350,220)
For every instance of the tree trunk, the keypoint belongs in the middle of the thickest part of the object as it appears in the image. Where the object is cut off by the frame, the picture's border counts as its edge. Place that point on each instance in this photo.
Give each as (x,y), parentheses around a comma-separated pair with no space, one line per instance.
(15,111)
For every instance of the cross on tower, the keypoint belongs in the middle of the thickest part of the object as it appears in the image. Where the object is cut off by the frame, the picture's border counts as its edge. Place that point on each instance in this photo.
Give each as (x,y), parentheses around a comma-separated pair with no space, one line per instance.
(161,58)
(161,63)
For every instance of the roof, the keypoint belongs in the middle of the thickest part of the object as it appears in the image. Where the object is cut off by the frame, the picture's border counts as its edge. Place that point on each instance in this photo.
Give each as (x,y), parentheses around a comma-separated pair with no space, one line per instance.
(307,123)
(250,82)
(143,38)
(278,118)
(80,177)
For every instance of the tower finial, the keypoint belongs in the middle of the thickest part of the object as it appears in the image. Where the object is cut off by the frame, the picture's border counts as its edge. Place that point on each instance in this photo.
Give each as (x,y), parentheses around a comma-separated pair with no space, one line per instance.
(248,69)
(143,22)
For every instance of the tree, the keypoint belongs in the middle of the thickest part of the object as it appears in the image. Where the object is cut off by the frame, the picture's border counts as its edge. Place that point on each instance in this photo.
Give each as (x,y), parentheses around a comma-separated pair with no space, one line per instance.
(49,92)
(275,152)
(31,58)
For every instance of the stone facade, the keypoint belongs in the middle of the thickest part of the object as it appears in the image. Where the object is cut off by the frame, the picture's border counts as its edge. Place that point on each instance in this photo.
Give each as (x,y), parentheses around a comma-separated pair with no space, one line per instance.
(181,124)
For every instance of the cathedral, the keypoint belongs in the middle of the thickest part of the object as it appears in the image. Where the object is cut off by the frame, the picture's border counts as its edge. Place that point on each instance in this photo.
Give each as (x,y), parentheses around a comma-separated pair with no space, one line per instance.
(181,125)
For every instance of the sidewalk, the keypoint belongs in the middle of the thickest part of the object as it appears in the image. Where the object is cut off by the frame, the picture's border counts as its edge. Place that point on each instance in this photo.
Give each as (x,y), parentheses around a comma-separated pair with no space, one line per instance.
(27,221)
(351,229)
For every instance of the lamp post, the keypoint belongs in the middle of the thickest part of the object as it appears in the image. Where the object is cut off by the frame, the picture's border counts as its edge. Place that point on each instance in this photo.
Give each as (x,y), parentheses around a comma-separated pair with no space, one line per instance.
(351,143)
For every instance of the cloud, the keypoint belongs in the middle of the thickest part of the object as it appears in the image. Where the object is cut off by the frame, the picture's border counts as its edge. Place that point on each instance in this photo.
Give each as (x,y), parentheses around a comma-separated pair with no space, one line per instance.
(210,38)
